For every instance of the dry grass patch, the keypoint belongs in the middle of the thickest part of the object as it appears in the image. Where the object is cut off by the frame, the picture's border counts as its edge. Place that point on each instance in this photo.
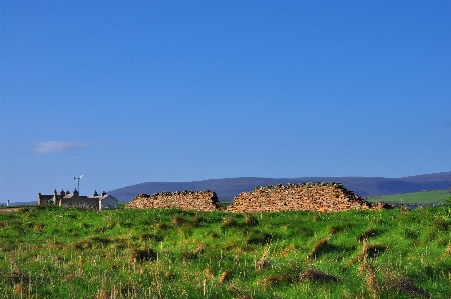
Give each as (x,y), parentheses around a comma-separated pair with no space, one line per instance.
(287,250)
(337,229)
(448,250)
(225,276)
(200,248)
(209,273)
(370,279)
(56,245)
(263,261)
(19,289)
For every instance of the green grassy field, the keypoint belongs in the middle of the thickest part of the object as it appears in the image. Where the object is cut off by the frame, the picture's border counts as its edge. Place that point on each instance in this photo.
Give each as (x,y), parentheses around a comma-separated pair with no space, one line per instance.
(55,252)
(427,197)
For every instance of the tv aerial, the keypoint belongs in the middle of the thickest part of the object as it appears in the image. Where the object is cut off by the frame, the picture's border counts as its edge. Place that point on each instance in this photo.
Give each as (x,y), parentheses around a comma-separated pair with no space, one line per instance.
(78,179)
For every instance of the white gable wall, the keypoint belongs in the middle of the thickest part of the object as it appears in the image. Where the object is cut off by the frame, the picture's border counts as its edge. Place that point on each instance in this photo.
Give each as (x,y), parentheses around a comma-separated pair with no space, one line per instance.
(108,203)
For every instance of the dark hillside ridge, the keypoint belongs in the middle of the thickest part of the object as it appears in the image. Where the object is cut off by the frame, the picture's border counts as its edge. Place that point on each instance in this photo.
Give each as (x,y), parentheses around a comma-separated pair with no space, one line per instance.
(227,189)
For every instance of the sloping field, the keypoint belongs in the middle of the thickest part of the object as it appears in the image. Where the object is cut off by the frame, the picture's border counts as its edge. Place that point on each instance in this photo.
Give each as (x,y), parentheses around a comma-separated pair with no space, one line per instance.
(426,197)
(54,252)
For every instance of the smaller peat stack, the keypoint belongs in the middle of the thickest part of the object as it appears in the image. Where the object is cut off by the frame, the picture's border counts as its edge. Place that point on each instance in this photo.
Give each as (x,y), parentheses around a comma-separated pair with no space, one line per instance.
(184,200)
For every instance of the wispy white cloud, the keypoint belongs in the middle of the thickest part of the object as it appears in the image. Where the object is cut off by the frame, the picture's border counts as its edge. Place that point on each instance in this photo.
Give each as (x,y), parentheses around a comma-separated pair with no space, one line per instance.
(62,147)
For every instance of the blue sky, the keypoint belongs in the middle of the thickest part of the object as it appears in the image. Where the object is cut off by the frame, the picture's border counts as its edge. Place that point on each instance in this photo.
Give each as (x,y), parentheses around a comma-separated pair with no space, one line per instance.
(126,92)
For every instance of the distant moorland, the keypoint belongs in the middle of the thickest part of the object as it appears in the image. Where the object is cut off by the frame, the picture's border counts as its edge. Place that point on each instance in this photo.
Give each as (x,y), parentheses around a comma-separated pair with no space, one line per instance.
(227,189)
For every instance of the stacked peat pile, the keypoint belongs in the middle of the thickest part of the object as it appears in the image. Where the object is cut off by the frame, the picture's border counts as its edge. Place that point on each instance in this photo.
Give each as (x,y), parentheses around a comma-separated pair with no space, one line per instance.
(322,197)
(185,200)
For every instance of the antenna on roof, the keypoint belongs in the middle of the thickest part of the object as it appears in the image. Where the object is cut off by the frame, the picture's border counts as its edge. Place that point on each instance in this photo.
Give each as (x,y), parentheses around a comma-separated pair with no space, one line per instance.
(78,179)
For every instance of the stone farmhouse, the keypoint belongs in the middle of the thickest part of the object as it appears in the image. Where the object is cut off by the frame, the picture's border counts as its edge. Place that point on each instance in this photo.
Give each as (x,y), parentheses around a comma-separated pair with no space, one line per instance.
(95,202)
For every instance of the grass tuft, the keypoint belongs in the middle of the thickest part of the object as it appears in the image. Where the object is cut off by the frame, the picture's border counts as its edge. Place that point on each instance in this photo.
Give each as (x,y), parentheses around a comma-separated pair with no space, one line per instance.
(337,229)
(317,276)
(209,272)
(321,247)
(448,250)
(82,244)
(197,220)
(177,221)
(371,250)
(225,276)
(169,275)
(443,224)
(250,220)
(369,233)
(18,277)
(258,238)
(148,237)
(276,280)
(143,255)
(100,240)
(228,222)
(406,286)
(263,261)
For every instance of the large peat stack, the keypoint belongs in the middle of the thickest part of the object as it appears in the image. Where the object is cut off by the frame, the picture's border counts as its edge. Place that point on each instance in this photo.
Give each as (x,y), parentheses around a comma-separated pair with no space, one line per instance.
(322,197)
(185,200)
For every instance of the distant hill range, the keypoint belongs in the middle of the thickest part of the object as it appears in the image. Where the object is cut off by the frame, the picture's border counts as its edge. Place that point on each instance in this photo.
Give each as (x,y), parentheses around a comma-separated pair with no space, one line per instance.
(227,189)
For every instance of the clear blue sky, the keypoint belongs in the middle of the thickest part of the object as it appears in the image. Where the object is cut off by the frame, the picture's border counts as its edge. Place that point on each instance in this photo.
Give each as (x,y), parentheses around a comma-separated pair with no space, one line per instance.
(126,92)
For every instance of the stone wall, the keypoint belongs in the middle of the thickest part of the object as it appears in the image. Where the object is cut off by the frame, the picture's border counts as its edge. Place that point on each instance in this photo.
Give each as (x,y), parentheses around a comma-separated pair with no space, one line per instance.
(185,200)
(322,197)
(81,202)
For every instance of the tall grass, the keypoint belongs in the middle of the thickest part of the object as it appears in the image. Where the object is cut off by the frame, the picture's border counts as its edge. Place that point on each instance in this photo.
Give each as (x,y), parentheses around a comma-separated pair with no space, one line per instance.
(52,252)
